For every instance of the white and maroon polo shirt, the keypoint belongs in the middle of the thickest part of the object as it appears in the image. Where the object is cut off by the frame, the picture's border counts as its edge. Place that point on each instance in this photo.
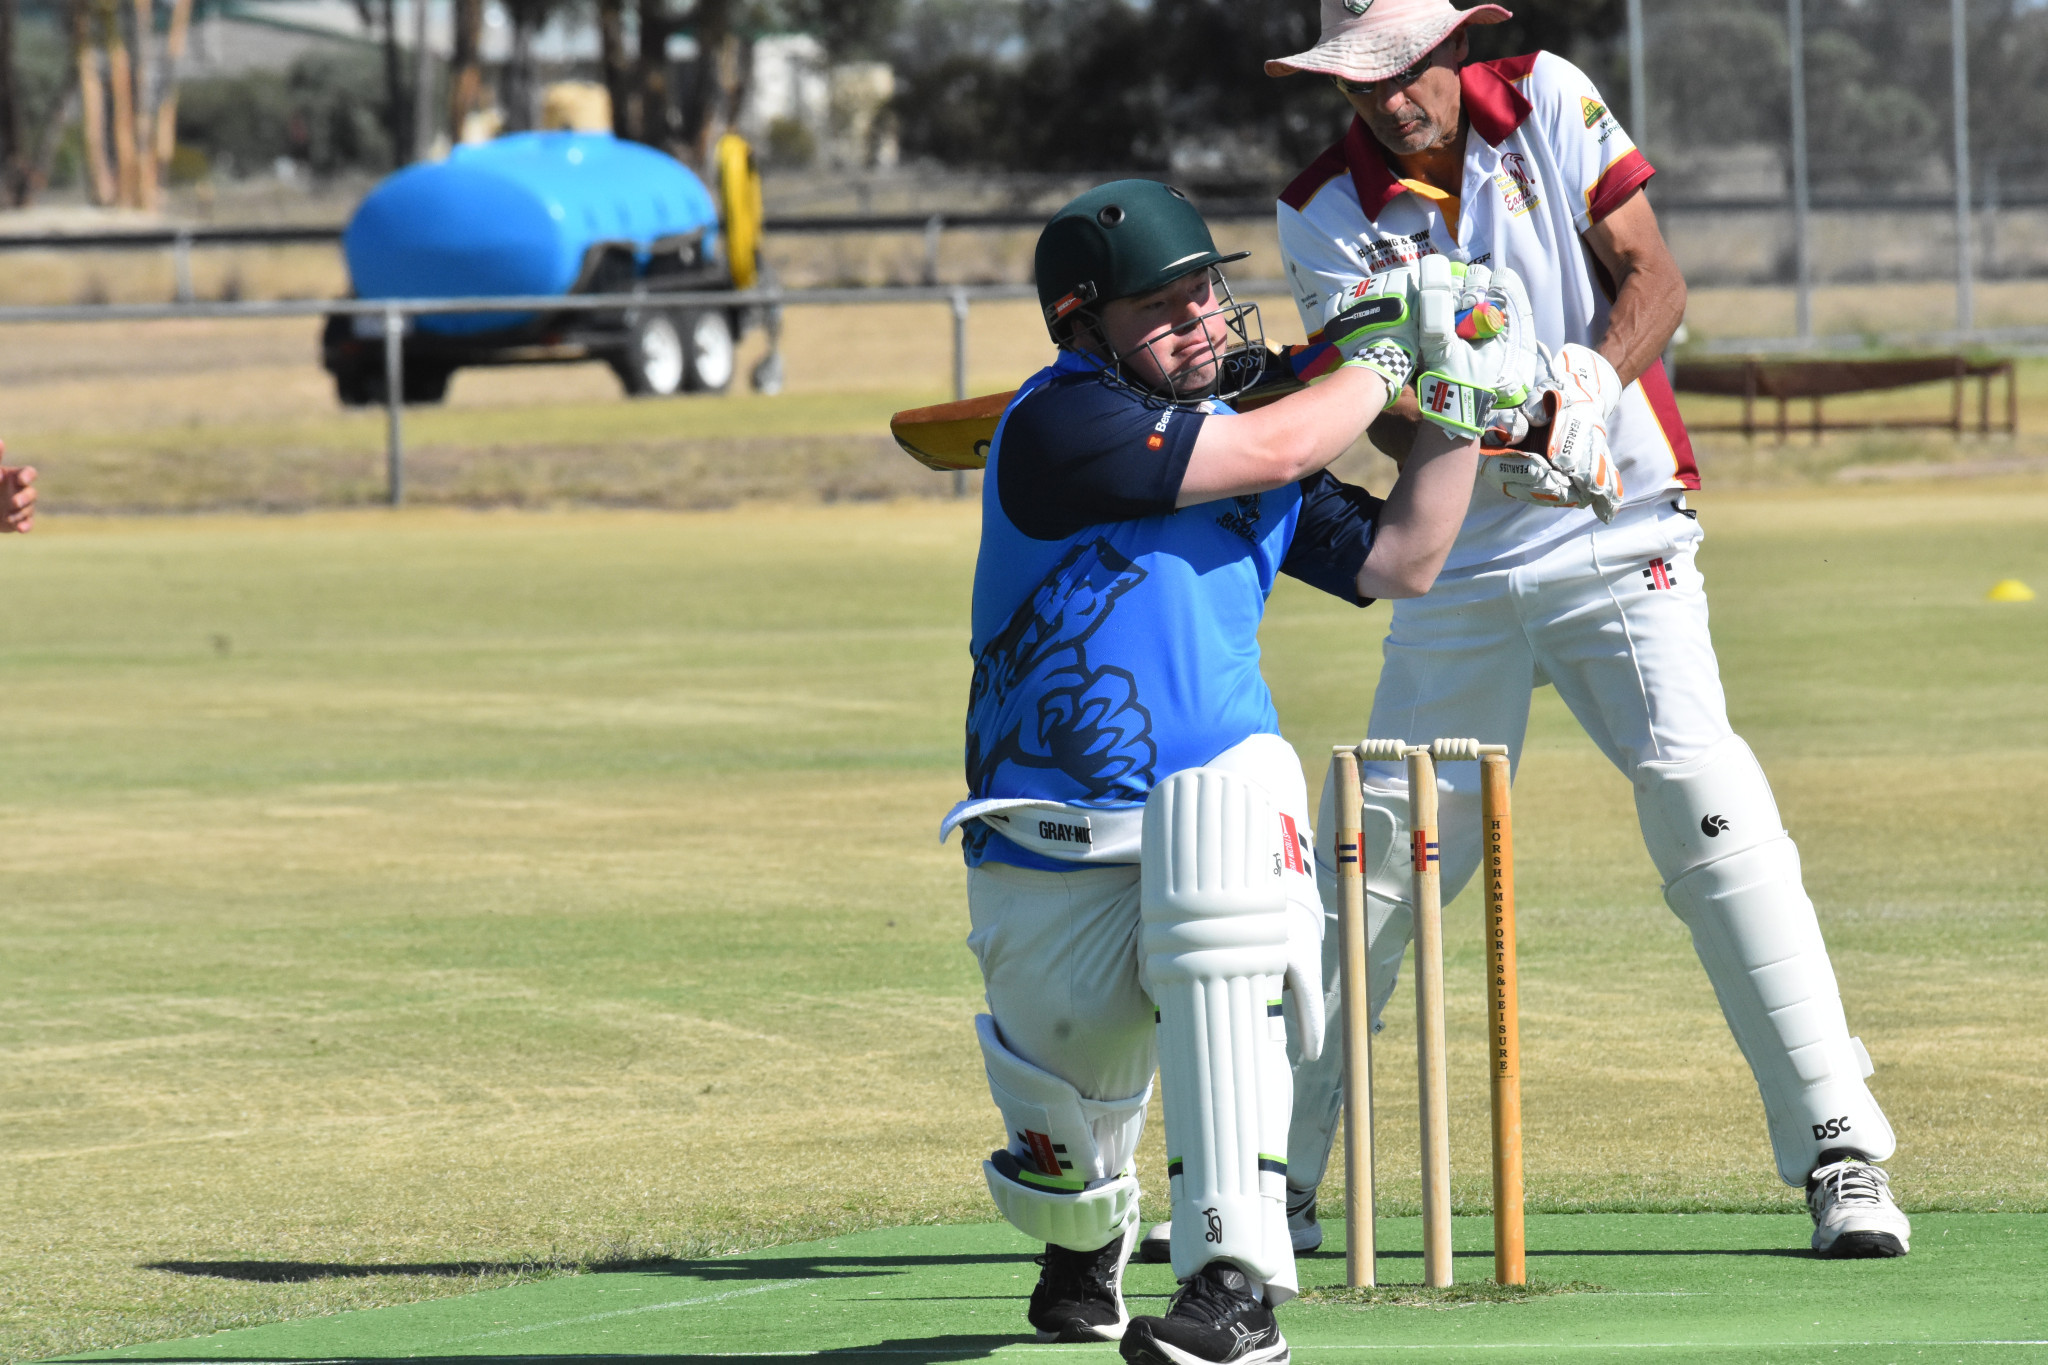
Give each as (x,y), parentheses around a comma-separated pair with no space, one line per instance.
(1545,160)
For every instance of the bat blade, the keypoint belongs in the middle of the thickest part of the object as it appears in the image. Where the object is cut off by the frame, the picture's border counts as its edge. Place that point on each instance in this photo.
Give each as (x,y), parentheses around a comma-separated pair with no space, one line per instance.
(952,435)
(957,435)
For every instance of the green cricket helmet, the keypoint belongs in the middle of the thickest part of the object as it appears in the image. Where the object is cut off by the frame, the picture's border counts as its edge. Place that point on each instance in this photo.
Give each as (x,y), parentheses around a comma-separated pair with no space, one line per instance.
(1122,240)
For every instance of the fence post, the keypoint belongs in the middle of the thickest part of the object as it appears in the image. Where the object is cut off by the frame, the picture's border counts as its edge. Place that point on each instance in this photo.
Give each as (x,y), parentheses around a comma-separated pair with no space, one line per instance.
(394,404)
(959,370)
(181,264)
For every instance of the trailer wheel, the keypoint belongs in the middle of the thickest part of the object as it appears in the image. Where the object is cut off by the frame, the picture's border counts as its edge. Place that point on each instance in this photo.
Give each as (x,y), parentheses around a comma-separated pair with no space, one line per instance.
(709,352)
(360,385)
(353,388)
(653,363)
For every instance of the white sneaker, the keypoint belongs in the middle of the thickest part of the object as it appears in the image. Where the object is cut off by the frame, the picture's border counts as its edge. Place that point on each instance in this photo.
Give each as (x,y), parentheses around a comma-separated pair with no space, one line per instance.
(1306,1234)
(1853,1213)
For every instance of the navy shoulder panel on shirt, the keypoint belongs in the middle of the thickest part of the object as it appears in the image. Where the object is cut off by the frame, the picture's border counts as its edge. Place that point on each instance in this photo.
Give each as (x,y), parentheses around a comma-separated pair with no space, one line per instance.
(1083,448)
(1333,537)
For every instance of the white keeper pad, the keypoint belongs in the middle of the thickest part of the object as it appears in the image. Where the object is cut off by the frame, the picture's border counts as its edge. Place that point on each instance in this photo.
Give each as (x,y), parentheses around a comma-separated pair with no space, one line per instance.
(1732,875)
(1214,941)
(1070,1181)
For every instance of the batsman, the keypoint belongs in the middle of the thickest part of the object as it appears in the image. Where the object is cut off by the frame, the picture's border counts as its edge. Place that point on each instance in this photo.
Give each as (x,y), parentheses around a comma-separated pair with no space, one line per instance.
(1137,832)
(1576,566)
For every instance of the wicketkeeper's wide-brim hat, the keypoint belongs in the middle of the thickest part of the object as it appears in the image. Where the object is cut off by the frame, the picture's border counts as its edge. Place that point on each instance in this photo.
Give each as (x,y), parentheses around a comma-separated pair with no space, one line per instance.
(1370,40)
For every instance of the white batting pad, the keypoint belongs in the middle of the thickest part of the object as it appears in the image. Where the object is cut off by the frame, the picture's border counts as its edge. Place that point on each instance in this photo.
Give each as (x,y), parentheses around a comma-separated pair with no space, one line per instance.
(1758,938)
(1086,1221)
(1214,940)
(1065,1176)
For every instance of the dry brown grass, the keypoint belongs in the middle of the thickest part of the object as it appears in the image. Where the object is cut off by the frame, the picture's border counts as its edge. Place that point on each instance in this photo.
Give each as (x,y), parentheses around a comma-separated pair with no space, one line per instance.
(217,414)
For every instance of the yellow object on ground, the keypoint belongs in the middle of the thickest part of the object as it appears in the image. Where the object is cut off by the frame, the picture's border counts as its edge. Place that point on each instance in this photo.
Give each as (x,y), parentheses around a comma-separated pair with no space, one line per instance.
(739,208)
(2009,590)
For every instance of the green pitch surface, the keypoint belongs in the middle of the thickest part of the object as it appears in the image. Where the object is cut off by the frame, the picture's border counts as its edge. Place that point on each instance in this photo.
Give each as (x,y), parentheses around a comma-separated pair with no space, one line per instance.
(1717,1287)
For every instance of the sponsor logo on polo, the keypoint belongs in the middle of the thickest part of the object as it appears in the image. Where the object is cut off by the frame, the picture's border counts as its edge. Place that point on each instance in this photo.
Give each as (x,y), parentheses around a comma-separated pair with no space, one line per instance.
(1517,185)
(1593,109)
(1387,253)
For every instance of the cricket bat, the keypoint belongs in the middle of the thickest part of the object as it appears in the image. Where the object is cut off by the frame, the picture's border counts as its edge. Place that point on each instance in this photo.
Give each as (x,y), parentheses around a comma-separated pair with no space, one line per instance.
(957,435)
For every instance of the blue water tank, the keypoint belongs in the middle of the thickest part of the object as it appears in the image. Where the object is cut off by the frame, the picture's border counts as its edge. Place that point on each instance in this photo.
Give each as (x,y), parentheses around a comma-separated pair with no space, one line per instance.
(516,216)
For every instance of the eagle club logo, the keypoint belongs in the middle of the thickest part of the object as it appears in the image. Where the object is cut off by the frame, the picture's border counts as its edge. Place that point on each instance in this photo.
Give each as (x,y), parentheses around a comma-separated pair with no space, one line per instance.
(1517,185)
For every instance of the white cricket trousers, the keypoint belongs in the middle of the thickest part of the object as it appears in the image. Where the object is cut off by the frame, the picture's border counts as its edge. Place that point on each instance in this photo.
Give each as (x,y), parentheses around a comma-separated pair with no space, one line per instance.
(1059,954)
(1616,621)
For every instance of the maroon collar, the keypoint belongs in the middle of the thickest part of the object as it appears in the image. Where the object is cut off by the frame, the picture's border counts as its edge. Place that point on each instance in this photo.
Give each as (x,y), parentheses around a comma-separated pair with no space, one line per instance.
(1489,102)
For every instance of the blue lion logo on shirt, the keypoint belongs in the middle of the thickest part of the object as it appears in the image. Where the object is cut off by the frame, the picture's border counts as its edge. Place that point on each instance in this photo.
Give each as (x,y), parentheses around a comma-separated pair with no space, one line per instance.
(1035,701)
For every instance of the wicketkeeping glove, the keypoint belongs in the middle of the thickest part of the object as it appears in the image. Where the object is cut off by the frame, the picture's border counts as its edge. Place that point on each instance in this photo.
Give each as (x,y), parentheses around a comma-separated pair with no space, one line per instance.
(1478,339)
(1580,401)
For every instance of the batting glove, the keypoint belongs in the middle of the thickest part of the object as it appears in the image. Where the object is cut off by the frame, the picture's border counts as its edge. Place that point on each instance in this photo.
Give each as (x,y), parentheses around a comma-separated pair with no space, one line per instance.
(1377,329)
(1478,344)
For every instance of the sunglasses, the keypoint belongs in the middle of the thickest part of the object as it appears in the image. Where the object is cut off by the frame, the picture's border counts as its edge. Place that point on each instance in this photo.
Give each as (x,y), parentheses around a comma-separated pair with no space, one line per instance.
(1400,80)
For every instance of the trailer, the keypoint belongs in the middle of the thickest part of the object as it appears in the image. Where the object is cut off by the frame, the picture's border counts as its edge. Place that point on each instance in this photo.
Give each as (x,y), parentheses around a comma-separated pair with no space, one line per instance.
(557,213)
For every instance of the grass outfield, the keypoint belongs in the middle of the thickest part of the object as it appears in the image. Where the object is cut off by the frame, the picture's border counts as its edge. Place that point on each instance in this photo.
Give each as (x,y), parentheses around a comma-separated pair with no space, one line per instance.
(430,902)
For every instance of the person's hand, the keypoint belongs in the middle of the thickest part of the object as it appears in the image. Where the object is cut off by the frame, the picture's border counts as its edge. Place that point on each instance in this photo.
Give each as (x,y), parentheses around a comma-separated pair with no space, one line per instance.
(1378,329)
(17,495)
(1580,400)
(1528,477)
(1479,349)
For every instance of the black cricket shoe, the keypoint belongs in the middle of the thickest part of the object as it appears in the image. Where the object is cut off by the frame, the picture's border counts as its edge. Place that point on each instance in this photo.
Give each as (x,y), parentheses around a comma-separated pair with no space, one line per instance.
(1080,1293)
(1218,1316)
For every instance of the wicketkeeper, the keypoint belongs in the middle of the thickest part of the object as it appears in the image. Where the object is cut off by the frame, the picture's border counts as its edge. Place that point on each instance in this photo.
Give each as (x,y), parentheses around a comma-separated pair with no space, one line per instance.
(1137,837)
(1576,563)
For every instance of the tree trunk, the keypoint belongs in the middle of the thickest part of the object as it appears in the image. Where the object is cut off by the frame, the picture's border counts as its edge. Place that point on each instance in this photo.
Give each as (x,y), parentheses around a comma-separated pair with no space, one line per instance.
(654,110)
(423,129)
(52,138)
(707,91)
(611,42)
(15,164)
(122,82)
(394,83)
(465,70)
(92,103)
(145,103)
(515,90)
(167,95)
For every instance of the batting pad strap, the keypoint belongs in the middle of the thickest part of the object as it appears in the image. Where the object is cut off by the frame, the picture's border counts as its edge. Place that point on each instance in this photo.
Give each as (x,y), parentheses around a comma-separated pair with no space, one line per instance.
(1066,1140)
(1080,1220)
(1213,912)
